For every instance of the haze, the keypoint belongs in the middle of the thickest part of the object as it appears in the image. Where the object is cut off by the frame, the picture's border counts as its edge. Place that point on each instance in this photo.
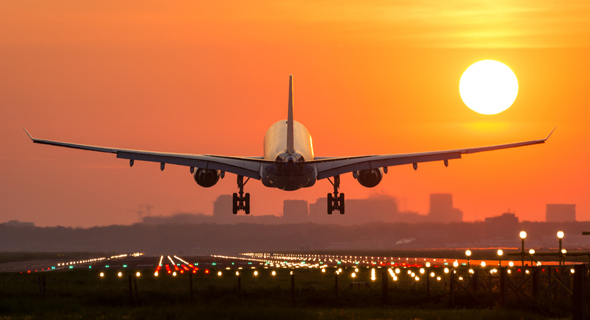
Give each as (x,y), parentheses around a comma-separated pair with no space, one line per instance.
(211,78)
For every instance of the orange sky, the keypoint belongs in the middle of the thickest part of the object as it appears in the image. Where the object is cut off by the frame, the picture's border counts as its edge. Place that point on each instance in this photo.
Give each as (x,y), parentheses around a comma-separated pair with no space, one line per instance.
(197,77)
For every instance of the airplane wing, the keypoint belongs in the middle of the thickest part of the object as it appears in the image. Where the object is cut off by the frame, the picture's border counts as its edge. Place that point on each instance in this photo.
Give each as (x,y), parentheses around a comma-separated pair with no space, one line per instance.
(329,167)
(244,166)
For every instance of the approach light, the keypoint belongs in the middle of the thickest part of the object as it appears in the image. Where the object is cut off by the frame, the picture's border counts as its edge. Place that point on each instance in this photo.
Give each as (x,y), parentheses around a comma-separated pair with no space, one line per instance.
(500,252)
(523,235)
(511,264)
(560,234)
(531,251)
(274,273)
(137,274)
(483,263)
(455,264)
(468,253)
(120,274)
(102,274)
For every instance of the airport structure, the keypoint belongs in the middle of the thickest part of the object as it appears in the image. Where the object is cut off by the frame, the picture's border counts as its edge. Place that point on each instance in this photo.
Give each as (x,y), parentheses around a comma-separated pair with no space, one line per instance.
(560,212)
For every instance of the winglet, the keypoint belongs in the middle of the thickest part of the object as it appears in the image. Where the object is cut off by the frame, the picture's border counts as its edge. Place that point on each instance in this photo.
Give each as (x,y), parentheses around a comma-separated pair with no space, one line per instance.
(290,125)
(550,133)
(28,134)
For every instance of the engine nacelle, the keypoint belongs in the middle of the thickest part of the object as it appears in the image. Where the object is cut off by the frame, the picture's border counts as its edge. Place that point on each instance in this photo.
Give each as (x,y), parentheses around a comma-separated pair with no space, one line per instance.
(370,177)
(206,178)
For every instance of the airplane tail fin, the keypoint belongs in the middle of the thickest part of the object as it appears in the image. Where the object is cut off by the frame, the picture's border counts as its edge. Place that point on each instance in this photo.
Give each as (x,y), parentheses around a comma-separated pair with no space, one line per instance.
(290,124)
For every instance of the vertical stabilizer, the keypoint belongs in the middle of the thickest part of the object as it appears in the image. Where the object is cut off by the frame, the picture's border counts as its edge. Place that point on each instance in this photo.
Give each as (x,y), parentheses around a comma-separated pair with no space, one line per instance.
(290,125)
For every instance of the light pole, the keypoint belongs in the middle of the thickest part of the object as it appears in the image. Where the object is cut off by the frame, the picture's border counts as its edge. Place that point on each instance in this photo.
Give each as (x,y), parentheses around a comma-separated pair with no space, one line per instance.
(560,235)
(468,254)
(522,237)
(500,253)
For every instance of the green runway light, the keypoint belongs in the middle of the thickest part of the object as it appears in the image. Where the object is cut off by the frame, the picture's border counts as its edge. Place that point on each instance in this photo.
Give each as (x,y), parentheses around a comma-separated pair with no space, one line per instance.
(106,266)
(339,262)
(232,263)
(178,264)
(214,264)
(463,264)
(249,262)
(354,263)
(321,262)
(446,263)
(71,267)
(89,267)
(196,264)
(124,266)
(303,262)
(52,268)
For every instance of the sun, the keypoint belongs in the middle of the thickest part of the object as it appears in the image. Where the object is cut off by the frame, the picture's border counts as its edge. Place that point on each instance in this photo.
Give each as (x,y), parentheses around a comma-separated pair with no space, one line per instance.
(488,87)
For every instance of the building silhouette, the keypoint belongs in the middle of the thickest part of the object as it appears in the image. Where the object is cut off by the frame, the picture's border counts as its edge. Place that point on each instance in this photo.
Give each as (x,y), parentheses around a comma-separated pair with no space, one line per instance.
(560,213)
(295,211)
(505,226)
(441,209)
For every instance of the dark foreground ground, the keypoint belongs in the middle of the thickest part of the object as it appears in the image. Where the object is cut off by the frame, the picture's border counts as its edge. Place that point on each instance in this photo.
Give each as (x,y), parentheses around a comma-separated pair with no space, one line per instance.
(83,294)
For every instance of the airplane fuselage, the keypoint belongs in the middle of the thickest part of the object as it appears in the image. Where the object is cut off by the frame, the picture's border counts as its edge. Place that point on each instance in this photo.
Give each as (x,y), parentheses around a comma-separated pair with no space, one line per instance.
(289,171)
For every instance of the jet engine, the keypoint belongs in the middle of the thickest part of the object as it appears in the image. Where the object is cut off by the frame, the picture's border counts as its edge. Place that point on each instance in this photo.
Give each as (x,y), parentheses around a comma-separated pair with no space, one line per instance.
(369,177)
(206,178)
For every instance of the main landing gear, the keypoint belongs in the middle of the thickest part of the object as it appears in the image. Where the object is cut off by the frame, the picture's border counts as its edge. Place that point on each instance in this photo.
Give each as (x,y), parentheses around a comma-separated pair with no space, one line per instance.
(241,202)
(335,201)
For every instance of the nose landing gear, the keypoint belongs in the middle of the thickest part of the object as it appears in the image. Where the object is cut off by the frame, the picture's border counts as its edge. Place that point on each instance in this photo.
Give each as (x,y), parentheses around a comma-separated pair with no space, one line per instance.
(241,201)
(335,201)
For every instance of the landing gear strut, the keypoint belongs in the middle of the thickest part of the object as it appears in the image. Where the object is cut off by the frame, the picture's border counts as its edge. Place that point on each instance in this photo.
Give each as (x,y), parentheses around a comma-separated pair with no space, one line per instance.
(335,201)
(241,202)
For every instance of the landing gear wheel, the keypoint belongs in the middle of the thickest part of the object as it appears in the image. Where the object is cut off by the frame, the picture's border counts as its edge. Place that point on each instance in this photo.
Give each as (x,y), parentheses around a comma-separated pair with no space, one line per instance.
(247,203)
(335,201)
(235,203)
(239,200)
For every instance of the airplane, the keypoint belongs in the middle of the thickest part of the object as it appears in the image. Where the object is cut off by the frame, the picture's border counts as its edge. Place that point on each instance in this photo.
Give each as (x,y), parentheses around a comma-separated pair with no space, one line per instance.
(288,162)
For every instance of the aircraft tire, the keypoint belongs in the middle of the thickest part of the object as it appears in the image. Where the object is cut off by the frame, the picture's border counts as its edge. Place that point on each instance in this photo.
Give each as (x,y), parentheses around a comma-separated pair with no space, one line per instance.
(341,200)
(247,203)
(235,203)
(330,203)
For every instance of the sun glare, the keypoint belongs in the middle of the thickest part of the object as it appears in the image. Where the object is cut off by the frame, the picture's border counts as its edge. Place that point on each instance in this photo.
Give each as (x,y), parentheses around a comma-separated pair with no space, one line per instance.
(488,87)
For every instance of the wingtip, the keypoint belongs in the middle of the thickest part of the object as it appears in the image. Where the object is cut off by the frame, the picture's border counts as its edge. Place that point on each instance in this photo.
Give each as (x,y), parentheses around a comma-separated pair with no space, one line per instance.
(550,133)
(28,134)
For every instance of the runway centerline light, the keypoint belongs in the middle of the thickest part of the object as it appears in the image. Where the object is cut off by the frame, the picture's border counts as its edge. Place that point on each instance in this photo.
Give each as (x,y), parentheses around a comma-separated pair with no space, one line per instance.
(137,274)
(102,274)
(120,274)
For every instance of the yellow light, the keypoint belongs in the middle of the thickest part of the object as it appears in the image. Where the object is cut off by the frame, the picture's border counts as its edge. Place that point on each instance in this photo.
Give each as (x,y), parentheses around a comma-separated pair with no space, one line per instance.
(488,87)
(255,273)
(102,274)
(427,264)
(500,252)
(572,270)
(422,271)
(353,275)
(455,264)
(531,251)
(137,274)
(120,274)
(509,271)
(560,234)
(523,234)
(468,253)
(446,270)
(511,264)
(438,278)
(397,271)
(156,273)
(417,278)
(432,274)
(483,263)
(274,273)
